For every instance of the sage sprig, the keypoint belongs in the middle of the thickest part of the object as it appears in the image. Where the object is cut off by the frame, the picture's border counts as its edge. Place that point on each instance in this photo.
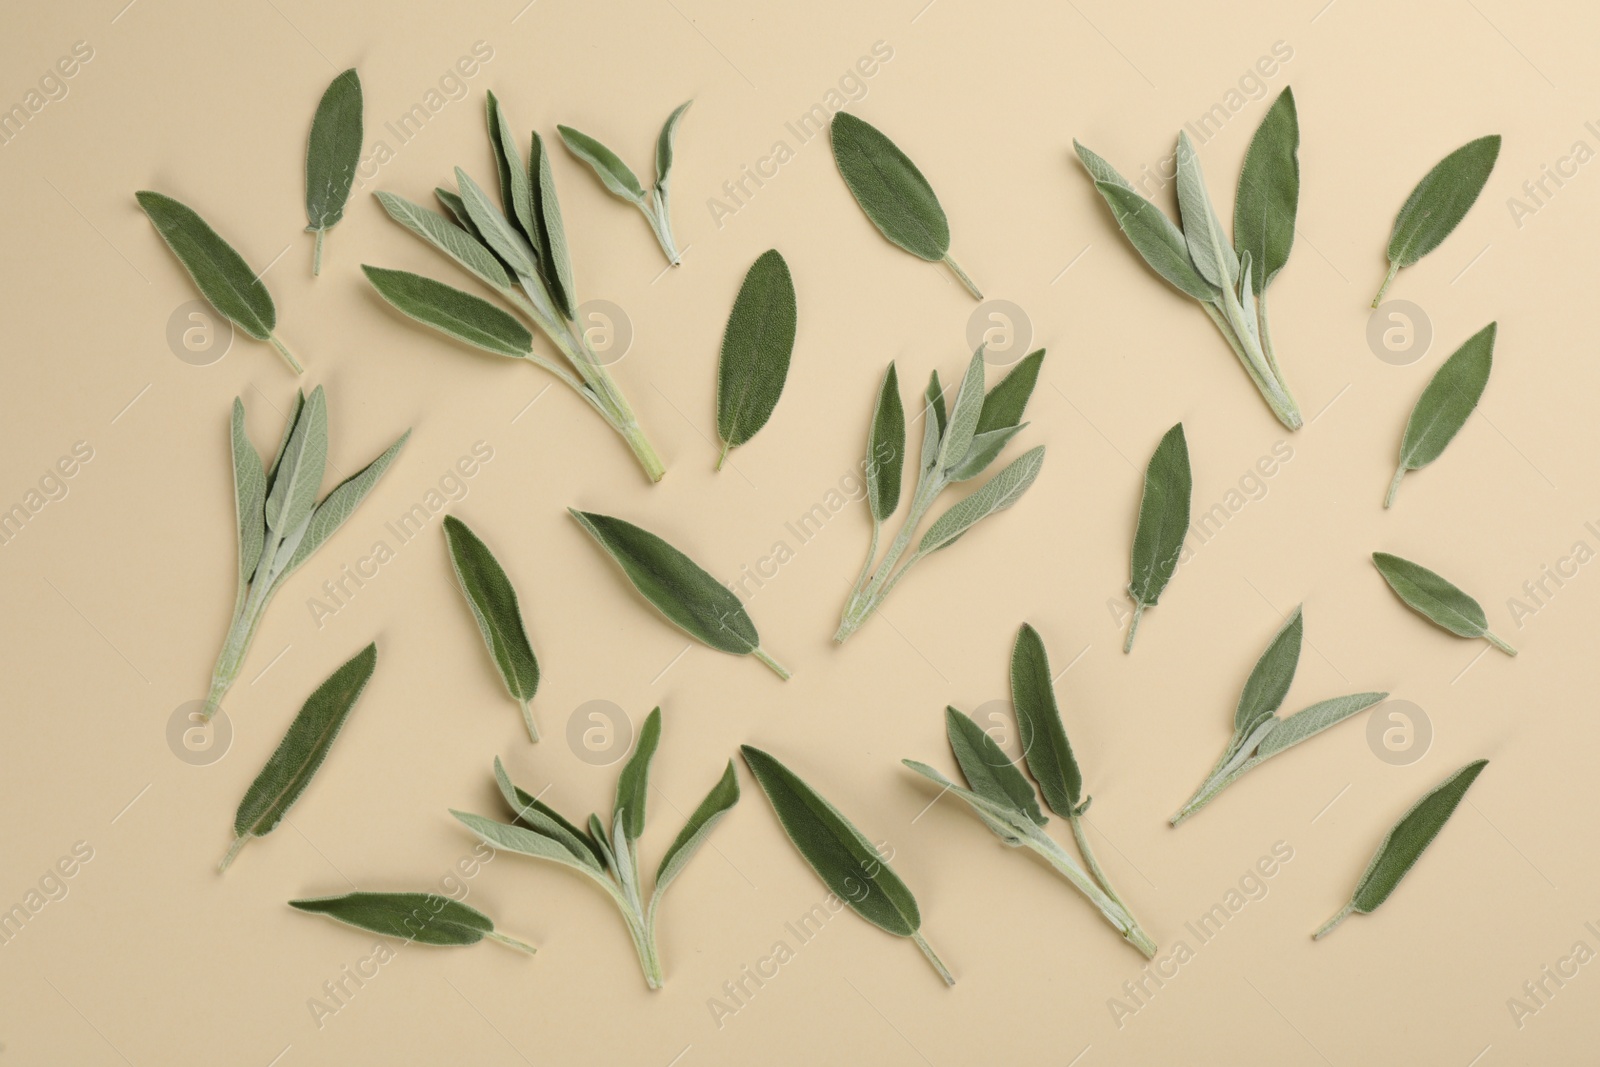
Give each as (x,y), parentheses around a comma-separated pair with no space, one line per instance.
(493,601)
(332,153)
(1004,800)
(620,181)
(843,858)
(611,860)
(893,193)
(756,346)
(1445,405)
(1405,843)
(680,588)
(298,756)
(1228,280)
(1258,733)
(518,250)
(1436,599)
(955,448)
(1438,204)
(219,272)
(280,523)
(421,918)
(1163,524)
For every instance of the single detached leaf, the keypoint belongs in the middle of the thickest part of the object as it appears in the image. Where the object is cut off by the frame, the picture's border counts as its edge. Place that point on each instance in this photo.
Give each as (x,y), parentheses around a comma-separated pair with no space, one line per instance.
(303,748)
(717,803)
(1268,197)
(756,346)
(450,311)
(1163,523)
(220,273)
(1044,736)
(1445,404)
(997,494)
(613,173)
(300,468)
(493,601)
(886,449)
(889,188)
(332,154)
(554,256)
(633,784)
(340,504)
(1436,599)
(986,768)
(1004,405)
(425,918)
(1308,722)
(1156,239)
(1213,255)
(1439,203)
(1271,677)
(250,497)
(1405,843)
(449,238)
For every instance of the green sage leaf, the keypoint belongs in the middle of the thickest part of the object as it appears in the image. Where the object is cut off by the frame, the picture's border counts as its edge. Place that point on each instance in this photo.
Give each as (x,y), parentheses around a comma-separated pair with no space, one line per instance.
(1271,677)
(1004,405)
(507,241)
(1439,203)
(633,784)
(1163,524)
(332,153)
(250,498)
(614,174)
(756,346)
(717,803)
(886,448)
(984,450)
(423,918)
(1213,255)
(997,494)
(935,400)
(956,437)
(515,192)
(542,818)
(1044,736)
(449,238)
(340,504)
(529,842)
(1156,239)
(299,470)
(461,315)
(1445,404)
(1436,599)
(890,189)
(493,601)
(665,143)
(1268,197)
(1308,722)
(987,769)
(556,259)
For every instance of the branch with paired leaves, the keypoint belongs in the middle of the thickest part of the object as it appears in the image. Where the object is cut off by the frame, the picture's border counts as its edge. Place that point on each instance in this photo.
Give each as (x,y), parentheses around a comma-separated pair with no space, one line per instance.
(621,182)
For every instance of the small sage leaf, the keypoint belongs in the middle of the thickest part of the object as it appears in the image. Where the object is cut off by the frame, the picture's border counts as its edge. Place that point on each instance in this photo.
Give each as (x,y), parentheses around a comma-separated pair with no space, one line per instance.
(1436,599)
(665,144)
(461,315)
(1268,197)
(1445,404)
(555,257)
(303,748)
(423,918)
(613,173)
(1438,204)
(1004,405)
(756,346)
(332,154)
(1213,255)
(449,238)
(1271,677)
(250,499)
(340,504)
(935,400)
(1044,736)
(680,588)
(1405,843)
(493,602)
(986,768)
(717,803)
(515,192)
(633,784)
(1163,525)
(886,449)
(997,494)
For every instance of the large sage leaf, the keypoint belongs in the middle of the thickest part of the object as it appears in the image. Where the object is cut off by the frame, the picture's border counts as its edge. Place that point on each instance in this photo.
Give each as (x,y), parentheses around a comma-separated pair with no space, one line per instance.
(303,748)
(633,784)
(507,241)
(1445,404)
(1438,204)
(1156,239)
(1405,843)
(299,471)
(756,346)
(997,494)
(332,153)
(987,770)
(886,449)
(423,918)
(1436,599)
(1308,722)
(493,601)
(556,258)
(1214,257)
(1163,525)
(1268,197)
(450,311)
(1044,736)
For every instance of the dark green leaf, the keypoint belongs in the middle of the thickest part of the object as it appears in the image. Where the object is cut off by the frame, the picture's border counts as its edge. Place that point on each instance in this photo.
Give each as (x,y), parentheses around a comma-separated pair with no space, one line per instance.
(633,784)
(515,193)
(1004,405)
(1441,200)
(493,601)
(1446,404)
(756,346)
(717,803)
(1269,192)
(886,449)
(426,918)
(220,273)
(1044,736)
(889,188)
(935,400)
(1163,519)
(554,257)
(1269,680)
(333,151)
(986,768)
(449,310)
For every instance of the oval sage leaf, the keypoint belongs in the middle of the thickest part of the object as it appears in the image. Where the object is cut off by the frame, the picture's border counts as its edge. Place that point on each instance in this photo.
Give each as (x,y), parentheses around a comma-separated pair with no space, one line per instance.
(1163,524)
(680,588)
(1213,256)
(886,450)
(1268,197)
(1438,204)
(450,311)
(1445,405)
(1405,843)
(332,153)
(493,601)
(987,769)
(756,346)
(1436,599)
(425,918)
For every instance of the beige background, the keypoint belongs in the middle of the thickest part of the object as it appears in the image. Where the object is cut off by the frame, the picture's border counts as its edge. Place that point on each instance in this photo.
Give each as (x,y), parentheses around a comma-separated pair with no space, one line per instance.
(117,595)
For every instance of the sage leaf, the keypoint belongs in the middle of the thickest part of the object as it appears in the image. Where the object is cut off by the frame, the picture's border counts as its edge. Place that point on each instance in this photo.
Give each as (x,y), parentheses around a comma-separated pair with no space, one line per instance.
(301,752)
(1436,599)
(1308,722)
(541,817)
(1044,736)
(552,243)
(1268,197)
(494,606)
(515,192)
(621,182)
(332,154)
(756,346)
(886,450)
(614,174)
(1269,681)
(935,400)
(1163,525)
(843,858)
(987,769)
(250,500)
(1155,237)
(1405,843)
(717,803)
(299,473)
(1446,403)
(507,241)
(633,784)
(678,587)
(529,841)
(956,437)
(461,315)
(666,145)
(984,450)
(1213,256)
(997,494)
(340,504)
(453,240)
(1438,204)
(219,272)
(423,918)
(1005,403)
(893,193)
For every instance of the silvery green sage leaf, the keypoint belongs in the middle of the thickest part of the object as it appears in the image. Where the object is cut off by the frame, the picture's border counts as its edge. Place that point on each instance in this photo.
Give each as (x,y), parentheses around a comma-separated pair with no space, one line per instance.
(1436,599)
(453,240)
(1438,204)
(423,918)
(892,191)
(493,601)
(332,153)
(1163,524)
(678,587)
(1445,405)
(620,181)
(848,864)
(301,752)
(219,272)
(1268,197)
(465,317)
(1405,843)
(1258,733)
(756,346)
(1213,256)
(612,861)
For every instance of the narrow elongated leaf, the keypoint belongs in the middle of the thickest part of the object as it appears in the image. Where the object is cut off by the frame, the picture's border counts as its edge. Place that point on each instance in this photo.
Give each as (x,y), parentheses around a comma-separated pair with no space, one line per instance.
(1445,404)
(984,450)
(1439,203)
(1436,599)
(219,272)
(633,784)
(1044,736)
(890,189)
(298,756)
(1405,843)
(935,400)
(614,174)
(289,425)
(423,918)
(1007,823)
(1271,677)
(554,256)
(507,241)
(528,842)
(250,497)
(886,448)
(332,153)
(340,504)
(1214,256)
(756,346)
(449,238)
(957,436)
(665,143)
(1156,239)
(1163,523)
(1308,722)
(1004,405)
(717,803)
(986,768)
(997,494)
(542,818)
(1268,197)
(515,192)
(299,470)
(450,311)
(493,601)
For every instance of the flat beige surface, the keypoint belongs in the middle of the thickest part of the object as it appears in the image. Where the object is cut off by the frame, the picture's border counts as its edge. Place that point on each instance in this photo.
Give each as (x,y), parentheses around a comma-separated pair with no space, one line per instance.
(117,593)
